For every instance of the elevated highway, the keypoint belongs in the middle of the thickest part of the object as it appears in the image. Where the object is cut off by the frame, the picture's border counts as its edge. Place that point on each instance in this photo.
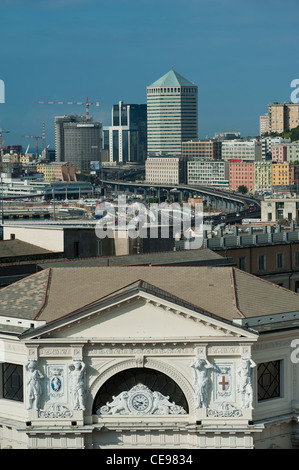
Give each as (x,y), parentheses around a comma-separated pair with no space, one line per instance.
(224,200)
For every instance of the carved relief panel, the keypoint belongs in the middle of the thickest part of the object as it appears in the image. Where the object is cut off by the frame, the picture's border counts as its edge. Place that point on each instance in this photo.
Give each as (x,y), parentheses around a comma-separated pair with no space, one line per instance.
(224,382)
(56,391)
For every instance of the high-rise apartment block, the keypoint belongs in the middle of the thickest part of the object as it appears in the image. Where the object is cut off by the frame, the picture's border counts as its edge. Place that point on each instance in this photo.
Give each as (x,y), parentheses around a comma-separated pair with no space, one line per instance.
(293,115)
(279,153)
(209,149)
(172,114)
(293,151)
(283,117)
(241,149)
(77,141)
(208,173)
(264,124)
(241,173)
(263,176)
(282,174)
(164,169)
(126,138)
(268,143)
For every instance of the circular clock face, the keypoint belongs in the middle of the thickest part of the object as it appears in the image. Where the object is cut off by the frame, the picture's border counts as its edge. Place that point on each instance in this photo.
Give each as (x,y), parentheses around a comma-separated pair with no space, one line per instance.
(140,402)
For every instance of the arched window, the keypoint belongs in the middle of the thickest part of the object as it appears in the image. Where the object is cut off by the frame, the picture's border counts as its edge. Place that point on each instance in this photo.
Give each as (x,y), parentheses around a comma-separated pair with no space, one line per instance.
(125,380)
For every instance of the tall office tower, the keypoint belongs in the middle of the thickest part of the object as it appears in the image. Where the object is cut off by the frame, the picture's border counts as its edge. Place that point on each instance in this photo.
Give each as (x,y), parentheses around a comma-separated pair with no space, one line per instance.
(125,139)
(283,117)
(172,114)
(77,141)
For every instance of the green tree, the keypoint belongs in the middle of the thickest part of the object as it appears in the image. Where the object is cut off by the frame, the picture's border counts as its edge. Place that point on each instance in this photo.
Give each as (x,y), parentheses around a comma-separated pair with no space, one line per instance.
(242,189)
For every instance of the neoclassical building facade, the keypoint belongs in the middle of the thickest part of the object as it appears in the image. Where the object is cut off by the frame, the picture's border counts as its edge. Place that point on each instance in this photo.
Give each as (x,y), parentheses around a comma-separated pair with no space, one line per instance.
(148,357)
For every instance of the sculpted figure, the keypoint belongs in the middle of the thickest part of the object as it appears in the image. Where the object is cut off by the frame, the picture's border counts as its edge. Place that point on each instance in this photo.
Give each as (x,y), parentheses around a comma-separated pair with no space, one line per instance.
(34,386)
(119,404)
(244,382)
(161,404)
(201,380)
(77,384)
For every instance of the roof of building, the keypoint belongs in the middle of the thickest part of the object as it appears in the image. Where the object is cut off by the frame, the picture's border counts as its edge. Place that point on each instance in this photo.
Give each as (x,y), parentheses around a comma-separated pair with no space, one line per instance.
(172,78)
(199,257)
(225,292)
(16,248)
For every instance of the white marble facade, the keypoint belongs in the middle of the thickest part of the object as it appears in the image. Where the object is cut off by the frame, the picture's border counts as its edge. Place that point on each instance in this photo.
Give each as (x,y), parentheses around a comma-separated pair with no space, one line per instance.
(212,363)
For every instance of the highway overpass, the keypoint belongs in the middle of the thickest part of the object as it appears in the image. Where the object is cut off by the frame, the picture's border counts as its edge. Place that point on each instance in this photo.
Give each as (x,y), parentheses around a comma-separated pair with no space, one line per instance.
(225,200)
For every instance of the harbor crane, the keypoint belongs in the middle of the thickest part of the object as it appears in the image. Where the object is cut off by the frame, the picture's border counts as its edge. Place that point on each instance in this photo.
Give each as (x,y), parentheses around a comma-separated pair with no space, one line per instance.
(36,137)
(85,103)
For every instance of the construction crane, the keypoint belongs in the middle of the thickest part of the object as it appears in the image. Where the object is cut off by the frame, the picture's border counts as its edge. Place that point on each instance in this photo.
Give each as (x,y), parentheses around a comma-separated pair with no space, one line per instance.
(36,137)
(2,132)
(87,103)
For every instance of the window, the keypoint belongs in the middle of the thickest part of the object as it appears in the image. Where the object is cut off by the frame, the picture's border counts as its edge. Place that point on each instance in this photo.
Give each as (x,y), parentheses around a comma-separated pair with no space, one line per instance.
(76,249)
(268,380)
(242,263)
(296,258)
(279,260)
(12,381)
(262,262)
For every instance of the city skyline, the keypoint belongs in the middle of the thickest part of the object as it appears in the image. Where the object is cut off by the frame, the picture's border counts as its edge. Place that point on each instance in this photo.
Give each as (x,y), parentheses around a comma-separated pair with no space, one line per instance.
(67,50)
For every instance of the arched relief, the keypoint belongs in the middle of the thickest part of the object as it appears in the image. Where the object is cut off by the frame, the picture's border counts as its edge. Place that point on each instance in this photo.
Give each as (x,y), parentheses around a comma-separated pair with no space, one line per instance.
(155,364)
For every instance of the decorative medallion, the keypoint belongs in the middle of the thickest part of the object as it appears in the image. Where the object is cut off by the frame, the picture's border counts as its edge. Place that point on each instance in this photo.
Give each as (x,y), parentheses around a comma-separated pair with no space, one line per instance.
(56,385)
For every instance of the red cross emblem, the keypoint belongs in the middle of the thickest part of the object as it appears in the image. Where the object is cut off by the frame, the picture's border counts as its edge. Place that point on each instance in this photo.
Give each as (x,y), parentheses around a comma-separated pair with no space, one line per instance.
(223,383)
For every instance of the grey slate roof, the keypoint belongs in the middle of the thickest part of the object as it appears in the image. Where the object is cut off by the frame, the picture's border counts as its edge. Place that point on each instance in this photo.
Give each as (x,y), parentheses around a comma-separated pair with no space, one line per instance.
(24,298)
(14,248)
(199,257)
(225,292)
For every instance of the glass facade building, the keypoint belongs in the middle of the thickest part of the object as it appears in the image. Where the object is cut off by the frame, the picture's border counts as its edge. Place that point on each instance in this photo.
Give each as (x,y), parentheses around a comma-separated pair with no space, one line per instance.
(172,114)
(125,139)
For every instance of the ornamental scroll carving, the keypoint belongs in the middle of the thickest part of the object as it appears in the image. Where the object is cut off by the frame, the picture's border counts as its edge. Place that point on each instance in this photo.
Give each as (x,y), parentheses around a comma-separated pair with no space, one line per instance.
(140,400)
(56,411)
(224,410)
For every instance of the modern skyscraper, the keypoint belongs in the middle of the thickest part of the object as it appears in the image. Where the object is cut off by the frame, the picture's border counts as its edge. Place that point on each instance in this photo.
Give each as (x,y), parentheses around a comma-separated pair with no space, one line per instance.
(77,141)
(126,137)
(172,114)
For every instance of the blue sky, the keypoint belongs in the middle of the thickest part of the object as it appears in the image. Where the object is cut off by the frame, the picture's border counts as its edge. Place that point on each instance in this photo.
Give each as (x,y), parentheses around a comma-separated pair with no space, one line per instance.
(242,54)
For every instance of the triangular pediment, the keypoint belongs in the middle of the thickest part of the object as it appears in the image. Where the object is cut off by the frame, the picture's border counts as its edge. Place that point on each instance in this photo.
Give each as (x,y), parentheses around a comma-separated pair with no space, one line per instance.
(139,312)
